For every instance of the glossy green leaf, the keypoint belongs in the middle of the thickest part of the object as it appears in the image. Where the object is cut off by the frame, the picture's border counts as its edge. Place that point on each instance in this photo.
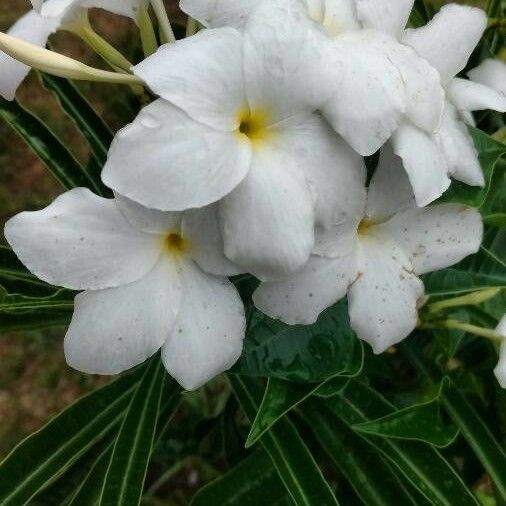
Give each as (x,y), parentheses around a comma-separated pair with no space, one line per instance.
(33,321)
(421,422)
(46,454)
(473,427)
(53,154)
(127,469)
(89,123)
(252,482)
(291,457)
(421,464)
(311,353)
(490,151)
(61,300)
(369,475)
(281,396)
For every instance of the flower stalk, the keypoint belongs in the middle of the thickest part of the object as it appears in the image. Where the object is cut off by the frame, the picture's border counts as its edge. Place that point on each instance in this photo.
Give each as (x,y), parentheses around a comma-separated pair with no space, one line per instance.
(148,36)
(471,299)
(166,32)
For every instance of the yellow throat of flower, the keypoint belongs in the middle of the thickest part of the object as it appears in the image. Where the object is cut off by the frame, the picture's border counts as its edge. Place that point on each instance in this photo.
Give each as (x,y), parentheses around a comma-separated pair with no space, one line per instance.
(175,244)
(254,124)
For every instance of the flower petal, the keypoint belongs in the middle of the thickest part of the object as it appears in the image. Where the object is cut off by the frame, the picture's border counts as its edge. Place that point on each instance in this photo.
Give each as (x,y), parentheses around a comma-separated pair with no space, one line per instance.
(436,237)
(448,40)
(209,331)
(385,15)
(339,16)
(301,298)
(201,229)
(284,61)
(82,242)
(218,13)
(424,162)
(369,94)
(129,8)
(424,93)
(470,96)
(390,189)
(383,300)
(115,329)
(500,370)
(458,148)
(148,220)
(31,27)
(182,163)
(202,75)
(491,73)
(268,220)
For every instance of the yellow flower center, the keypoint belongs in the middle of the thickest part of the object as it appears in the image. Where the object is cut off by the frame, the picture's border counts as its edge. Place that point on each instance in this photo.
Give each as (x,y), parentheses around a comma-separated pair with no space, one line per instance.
(364,227)
(254,125)
(176,244)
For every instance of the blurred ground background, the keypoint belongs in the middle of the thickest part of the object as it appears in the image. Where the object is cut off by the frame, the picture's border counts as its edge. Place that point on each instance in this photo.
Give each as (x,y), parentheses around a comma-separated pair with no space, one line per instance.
(35,382)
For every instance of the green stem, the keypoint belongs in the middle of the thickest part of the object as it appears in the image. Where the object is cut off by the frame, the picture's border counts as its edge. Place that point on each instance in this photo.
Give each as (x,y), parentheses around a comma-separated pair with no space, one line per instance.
(166,32)
(490,334)
(192,27)
(148,36)
(471,299)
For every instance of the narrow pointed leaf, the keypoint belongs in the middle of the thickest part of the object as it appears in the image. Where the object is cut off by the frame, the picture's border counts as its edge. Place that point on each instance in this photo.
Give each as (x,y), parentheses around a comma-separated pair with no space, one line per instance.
(60,300)
(421,464)
(52,153)
(421,422)
(46,454)
(369,475)
(291,457)
(253,481)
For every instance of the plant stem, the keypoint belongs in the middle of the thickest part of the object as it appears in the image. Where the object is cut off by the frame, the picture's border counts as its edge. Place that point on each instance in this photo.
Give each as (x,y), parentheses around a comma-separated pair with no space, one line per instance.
(490,334)
(166,32)
(148,36)
(192,26)
(471,299)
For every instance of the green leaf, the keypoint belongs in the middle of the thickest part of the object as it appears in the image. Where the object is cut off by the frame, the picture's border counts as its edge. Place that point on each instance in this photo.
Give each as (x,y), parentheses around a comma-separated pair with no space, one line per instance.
(421,464)
(421,422)
(33,321)
(369,475)
(252,482)
(46,454)
(295,465)
(52,153)
(490,151)
(61,300)
(125,477)
(281,396)
(89,491)
(312,353)
(89,123)
(474,429)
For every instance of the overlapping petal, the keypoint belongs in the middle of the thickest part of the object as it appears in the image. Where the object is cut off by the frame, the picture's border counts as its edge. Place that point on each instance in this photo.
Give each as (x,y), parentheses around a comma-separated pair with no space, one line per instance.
(218,13)
(268,220)
(385,15)
(168,161)
(383,301)
(470,96)
(115,329)
(82,241)
(491,73)
(448,40)
(436,237)
(208,333)
(424,162)
(202,75)
(369,96)
(301,298)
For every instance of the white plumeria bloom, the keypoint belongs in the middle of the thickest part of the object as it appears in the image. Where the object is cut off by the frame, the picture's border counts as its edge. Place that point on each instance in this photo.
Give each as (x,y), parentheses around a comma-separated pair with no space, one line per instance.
(447,42)
(152,280)
(45,19)
(236,121)
(380,83)
(500,370)
(376,259)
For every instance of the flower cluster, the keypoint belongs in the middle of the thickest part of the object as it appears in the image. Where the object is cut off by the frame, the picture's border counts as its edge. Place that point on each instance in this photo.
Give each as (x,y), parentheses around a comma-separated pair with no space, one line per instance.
(251,160)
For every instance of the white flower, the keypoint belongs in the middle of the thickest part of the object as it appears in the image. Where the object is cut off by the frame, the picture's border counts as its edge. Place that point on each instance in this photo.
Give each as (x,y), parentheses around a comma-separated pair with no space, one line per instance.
(500,370)
(236,122)
(46,18)
(447,42)
(376,259)
(379,82)
(491,73)
(152,280)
